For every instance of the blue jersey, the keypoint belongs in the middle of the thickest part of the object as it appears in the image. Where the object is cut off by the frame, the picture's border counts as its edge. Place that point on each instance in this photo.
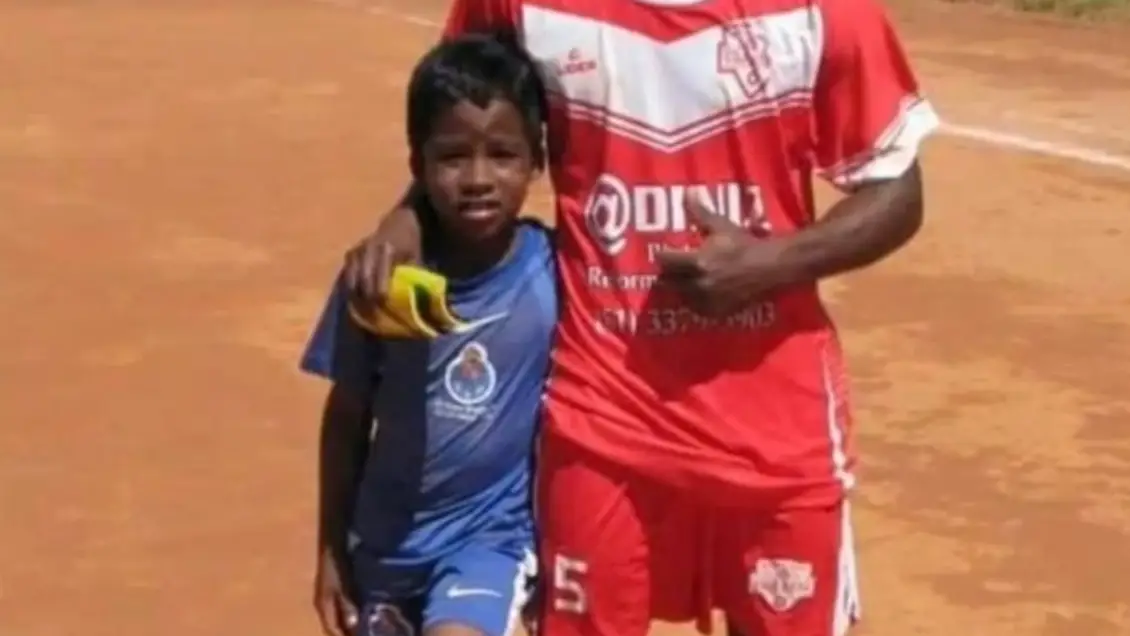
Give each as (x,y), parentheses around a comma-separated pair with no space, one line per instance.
(456,416)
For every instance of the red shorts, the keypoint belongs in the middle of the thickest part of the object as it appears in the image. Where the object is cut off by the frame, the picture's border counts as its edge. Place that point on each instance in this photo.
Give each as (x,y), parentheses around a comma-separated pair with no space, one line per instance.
(618,552)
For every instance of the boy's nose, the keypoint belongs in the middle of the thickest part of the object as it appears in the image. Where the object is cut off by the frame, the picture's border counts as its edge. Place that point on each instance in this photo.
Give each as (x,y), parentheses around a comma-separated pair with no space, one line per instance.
(479,175)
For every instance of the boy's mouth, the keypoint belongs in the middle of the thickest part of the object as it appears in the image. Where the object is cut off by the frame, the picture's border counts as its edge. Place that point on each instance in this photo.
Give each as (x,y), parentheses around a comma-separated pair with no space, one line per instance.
(479,209)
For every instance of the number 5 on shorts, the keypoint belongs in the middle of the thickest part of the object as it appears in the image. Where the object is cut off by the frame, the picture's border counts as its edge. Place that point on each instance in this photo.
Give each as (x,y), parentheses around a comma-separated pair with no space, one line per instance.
(568,593)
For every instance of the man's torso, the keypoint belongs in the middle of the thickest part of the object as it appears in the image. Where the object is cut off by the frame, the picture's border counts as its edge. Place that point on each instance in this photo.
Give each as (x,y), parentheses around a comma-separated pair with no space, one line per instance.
(736,101)
(650,106)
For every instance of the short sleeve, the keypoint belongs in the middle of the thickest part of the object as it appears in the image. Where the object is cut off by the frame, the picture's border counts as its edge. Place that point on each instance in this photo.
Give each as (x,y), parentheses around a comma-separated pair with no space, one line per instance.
(870,116)
(339,350)
(481,16)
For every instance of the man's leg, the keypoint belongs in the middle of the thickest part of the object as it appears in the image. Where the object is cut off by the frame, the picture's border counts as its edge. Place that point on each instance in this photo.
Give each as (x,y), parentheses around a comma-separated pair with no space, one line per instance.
(792,573)
(598,527)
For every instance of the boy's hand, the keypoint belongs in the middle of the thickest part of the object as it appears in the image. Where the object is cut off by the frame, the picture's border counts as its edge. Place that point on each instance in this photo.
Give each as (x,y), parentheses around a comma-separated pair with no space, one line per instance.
(336,612)
(532,610)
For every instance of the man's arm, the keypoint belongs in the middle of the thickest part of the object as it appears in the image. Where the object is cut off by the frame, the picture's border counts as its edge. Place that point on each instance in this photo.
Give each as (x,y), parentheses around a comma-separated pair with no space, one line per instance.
(870,121)
(368,265)
(864,227)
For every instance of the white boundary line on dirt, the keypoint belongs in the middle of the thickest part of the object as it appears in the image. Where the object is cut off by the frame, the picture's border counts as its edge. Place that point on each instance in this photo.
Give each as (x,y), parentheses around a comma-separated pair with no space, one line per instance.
(990,136)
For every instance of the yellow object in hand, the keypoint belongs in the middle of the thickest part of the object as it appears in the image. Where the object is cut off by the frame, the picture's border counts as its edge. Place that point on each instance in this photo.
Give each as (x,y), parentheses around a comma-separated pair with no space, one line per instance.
(416,307)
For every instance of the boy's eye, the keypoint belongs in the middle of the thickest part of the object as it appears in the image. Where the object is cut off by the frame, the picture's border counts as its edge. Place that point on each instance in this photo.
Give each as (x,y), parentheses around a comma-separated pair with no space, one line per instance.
(450,156)
(504,152)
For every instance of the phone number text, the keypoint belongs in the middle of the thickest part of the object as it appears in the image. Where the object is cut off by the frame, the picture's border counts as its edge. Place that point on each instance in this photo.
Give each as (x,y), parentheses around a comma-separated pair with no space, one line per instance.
(673,321)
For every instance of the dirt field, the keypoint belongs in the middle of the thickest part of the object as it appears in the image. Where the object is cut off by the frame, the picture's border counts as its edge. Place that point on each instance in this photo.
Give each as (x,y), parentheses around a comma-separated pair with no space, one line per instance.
(178,179)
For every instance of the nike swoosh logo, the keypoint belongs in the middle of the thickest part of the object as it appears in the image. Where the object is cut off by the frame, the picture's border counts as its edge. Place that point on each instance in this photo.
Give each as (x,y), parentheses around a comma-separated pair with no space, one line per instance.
(457,592)
(479,323)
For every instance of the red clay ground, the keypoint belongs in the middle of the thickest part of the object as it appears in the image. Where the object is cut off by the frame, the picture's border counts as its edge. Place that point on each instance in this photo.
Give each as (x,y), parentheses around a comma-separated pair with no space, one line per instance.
(177,182)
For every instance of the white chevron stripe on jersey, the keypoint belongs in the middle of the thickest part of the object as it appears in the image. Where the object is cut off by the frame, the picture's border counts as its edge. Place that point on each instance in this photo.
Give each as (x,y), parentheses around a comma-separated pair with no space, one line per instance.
(689,93)
(671,142)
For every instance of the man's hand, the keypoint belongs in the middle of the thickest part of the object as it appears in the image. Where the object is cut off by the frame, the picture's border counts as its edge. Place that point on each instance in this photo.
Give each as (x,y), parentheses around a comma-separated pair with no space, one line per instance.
(730,270)
(369,264)
(336,612)
(368,272)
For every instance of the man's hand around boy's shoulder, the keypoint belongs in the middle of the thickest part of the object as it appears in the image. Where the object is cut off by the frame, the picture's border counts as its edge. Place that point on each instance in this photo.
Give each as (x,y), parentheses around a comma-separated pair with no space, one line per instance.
(369,263)
(336,610)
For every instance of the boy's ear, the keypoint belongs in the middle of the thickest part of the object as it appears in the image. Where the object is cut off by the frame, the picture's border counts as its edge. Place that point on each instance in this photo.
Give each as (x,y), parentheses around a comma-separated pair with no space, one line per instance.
(416,164)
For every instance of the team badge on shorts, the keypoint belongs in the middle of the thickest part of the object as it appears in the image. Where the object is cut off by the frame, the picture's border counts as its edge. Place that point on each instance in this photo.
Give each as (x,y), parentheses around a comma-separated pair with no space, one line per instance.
(387,620)
(782,583)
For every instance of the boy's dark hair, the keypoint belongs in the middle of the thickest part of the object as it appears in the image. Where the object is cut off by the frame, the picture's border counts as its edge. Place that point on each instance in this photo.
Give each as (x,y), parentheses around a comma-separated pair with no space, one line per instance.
(478,68)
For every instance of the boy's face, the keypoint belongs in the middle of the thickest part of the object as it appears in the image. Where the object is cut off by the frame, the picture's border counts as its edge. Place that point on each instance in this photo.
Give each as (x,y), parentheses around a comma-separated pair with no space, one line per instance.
(477,167)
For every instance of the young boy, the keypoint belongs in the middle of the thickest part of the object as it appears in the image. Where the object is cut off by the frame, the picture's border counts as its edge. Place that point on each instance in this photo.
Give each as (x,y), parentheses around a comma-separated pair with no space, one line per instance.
(427,524)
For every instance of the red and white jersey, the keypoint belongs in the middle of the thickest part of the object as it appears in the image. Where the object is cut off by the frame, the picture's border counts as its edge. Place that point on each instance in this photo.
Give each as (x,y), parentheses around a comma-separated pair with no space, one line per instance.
(741,101)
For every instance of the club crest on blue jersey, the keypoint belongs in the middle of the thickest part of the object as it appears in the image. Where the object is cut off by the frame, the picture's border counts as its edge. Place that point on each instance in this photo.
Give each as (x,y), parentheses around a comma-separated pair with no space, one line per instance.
(469,381)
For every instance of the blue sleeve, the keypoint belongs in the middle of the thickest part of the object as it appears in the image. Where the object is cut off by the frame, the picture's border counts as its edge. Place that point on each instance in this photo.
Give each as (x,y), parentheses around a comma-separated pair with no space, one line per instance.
(340,350)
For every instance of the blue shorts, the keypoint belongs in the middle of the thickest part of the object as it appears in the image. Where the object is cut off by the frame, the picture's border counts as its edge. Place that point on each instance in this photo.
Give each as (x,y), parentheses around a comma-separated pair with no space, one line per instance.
(483,587)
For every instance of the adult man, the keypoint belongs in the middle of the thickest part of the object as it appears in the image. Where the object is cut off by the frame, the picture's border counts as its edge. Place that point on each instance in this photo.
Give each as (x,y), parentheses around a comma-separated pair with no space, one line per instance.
(696,449)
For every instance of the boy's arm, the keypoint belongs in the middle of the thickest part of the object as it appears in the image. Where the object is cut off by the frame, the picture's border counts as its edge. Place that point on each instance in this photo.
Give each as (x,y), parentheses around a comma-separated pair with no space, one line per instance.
(343,448)
(339,350)
(342,453)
